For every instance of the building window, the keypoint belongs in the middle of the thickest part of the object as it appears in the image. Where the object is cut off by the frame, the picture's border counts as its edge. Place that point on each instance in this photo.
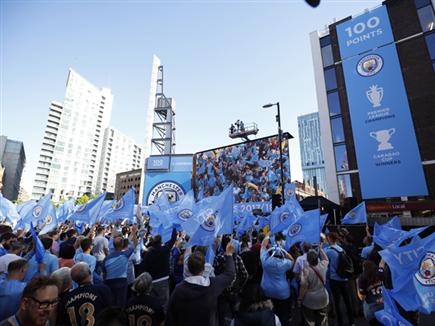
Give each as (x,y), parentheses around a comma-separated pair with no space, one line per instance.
(324,41)
(337,130)
(333,104)
(427,18)
(327,58)
(341,163)
(344,186)
(430,42)
(330,79)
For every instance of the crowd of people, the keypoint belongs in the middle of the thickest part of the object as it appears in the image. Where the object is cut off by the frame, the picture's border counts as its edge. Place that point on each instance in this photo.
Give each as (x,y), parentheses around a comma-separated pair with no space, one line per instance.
(119,275)
(252,167)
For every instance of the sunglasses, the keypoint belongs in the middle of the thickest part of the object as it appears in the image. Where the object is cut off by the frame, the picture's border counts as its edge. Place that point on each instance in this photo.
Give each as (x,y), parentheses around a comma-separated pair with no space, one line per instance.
(45,304)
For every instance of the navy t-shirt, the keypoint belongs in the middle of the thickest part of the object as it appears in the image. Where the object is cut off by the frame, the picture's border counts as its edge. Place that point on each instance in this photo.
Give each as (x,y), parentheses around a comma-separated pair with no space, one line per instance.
(82,305)
(144,310)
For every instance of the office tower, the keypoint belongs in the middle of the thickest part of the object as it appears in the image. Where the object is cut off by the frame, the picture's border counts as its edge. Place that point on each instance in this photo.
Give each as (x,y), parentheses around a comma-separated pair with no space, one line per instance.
(120,154)
(311,150)
(12,160)
(73,139)
(375,77)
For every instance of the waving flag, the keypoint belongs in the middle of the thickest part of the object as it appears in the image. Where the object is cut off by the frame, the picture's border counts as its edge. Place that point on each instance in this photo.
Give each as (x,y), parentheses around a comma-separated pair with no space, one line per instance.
(124,208)
(50,221)
(285,215)
(413,272)
(39,247)
(213,216)
(24,207)
(88,212)
(390,314)
(247,222)
(357,215)
(305,229)
(159,211)
(105,208)
(65,210)
(263,221)
(39,211)
(8,211)
(386,234)
(182,211)
(323,219)
(290,191)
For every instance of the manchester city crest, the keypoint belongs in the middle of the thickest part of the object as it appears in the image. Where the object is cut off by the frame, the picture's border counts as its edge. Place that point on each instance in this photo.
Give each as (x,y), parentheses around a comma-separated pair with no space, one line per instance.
(370,65)
(119,205)
(426,271)
(81,208)
(37,210)
(294,229)
(352,214)
(48,219)
(284,216)
(209,223)
(184,214)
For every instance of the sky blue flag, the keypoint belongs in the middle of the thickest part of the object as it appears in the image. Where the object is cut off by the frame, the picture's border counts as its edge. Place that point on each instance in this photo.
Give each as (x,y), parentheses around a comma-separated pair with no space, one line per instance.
(8,211)
(25,206)
(124,208)
(305,229)
(213,216)
(50,221)
(289,191)
(390,314)
(80,227)
(357,215)
(285,215)
(182,211)
(88,212)
(39,211)
(387,233)
(413,272)
(159,211)
(105,208)
(247,222)
(263,221)
(65,210)
(39,247)
(323,219)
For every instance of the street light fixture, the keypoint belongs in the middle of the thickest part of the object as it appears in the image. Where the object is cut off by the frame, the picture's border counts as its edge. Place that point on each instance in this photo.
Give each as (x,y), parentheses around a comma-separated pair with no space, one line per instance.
(278,119)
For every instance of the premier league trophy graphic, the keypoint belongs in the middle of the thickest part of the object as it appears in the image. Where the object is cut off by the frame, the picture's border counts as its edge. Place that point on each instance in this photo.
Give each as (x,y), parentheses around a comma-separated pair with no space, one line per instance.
(383,136)
(375,95)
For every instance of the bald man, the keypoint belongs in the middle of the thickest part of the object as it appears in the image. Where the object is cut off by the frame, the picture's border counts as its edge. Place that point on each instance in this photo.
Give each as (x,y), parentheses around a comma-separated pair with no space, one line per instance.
(82,305)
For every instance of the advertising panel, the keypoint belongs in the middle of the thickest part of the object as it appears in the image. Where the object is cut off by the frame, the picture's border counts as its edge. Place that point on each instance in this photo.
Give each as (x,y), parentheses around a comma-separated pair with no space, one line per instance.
(387,152)
(253,167)
(176,181)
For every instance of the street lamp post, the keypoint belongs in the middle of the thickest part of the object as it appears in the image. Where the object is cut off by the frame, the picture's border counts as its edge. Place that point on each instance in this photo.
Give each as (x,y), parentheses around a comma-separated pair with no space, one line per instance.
(278,119)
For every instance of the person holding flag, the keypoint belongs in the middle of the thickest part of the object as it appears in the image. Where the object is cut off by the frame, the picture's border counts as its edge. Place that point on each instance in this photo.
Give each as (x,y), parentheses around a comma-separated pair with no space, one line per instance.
(276,262)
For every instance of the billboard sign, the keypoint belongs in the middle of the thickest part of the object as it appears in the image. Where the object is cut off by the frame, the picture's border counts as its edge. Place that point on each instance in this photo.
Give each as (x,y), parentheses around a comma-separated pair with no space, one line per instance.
(364,32)
(253,167)
(387,152)
(176,181)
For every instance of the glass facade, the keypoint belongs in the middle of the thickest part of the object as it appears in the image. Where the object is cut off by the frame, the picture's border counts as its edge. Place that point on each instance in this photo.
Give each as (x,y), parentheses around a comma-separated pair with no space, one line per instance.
(330,79)
(311,150)
(334,104)
(341,162)
(344,186)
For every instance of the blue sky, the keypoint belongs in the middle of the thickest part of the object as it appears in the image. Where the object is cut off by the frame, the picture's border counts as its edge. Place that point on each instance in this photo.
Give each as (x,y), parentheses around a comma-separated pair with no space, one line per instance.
(223,60)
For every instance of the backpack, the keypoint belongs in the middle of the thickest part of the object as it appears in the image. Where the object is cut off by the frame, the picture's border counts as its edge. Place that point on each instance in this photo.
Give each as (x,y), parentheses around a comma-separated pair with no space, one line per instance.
(345,265)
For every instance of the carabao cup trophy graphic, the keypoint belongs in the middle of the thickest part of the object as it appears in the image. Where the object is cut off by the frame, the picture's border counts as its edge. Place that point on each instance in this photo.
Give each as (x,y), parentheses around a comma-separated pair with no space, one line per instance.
(375,95)
(383,137)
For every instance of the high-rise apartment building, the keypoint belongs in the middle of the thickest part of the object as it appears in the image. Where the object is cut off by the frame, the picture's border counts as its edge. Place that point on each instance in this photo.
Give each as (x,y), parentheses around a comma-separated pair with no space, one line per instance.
(12,160)
(312,161)
(71,150)
(375,77)
(120,154)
